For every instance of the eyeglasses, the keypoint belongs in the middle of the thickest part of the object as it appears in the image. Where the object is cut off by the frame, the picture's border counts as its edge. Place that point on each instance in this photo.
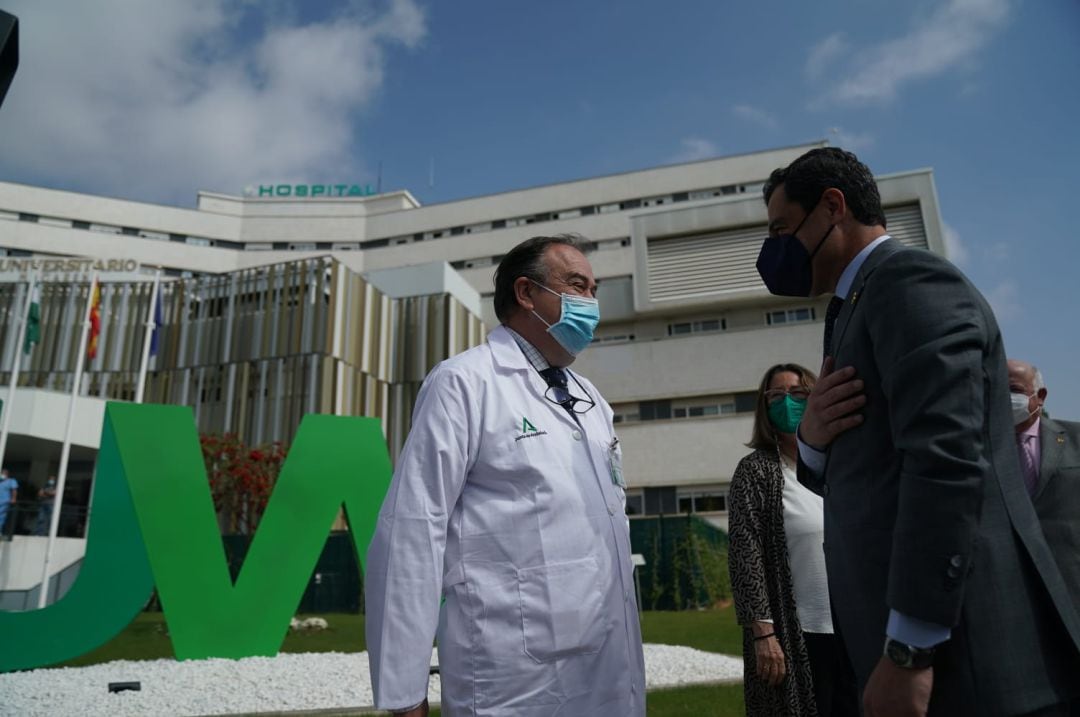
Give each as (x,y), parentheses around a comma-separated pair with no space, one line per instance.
(799,393)
(563,397)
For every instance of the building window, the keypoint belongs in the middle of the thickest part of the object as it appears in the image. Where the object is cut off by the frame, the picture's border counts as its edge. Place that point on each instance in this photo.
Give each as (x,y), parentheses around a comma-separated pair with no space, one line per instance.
(302,246)
(76,224)
(702,500)
(655,410)
(613,338)
(746,402)
(635,503)
(24,217)
(704,410)
(789,316)
(661,501)
(683,328)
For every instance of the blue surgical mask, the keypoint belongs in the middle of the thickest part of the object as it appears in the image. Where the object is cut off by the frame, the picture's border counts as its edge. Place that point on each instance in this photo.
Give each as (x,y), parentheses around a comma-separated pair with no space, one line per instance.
(574,329)
(784,264)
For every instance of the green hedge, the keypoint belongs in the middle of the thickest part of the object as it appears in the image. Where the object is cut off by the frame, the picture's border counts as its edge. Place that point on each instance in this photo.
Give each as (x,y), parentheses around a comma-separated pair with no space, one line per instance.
(685,562)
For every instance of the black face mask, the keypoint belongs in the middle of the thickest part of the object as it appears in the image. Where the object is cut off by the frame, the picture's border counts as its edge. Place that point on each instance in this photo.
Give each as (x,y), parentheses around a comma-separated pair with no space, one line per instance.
(784,264)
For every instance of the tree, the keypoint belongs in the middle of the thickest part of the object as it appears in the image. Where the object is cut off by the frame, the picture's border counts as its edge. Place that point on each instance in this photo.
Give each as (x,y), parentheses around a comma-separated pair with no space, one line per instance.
(241,479)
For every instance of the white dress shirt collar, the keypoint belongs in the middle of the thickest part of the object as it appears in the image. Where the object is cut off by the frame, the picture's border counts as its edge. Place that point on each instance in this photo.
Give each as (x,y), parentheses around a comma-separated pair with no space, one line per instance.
(847,277)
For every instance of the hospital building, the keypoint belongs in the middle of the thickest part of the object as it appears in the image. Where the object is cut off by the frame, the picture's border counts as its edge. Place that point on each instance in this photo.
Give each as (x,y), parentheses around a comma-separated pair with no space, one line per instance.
(288,299)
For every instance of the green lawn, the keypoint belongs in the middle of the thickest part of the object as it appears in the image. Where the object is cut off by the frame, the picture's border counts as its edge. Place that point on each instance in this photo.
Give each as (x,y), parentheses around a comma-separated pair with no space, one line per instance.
(711,630)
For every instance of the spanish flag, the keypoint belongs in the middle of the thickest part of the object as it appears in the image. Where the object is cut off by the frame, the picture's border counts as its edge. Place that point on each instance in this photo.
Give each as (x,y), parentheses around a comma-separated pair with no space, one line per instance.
(95,321)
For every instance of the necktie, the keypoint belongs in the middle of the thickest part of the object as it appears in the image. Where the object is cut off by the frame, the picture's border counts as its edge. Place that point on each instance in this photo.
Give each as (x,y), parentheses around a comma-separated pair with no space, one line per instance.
(1027,462)
(556,379)
(835,304)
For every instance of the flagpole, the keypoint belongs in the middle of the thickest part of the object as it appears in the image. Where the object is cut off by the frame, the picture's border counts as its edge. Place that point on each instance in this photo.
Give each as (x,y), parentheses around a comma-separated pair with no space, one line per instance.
(148,339)
(15,366)
(65,452)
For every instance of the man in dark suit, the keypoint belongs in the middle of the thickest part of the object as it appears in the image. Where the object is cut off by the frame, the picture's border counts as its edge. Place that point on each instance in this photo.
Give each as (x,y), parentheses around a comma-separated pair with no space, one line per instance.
(1050,464)
(934,553)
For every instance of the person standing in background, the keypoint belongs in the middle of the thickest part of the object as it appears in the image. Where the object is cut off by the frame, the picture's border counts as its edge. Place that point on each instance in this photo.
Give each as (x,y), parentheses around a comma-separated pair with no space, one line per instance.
(9,493)
(46,499)
(1050,460)
(794,664)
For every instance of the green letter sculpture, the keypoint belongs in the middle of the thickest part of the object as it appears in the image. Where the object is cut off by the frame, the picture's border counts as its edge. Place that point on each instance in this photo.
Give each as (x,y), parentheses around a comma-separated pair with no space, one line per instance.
(151,483)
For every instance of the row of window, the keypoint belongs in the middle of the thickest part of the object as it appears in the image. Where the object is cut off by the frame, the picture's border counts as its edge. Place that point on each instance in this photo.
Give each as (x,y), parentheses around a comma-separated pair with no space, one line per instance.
(624,205)
(772,318)
(480,262)
(709,326)
(571,213)
(672,500)
(663,410)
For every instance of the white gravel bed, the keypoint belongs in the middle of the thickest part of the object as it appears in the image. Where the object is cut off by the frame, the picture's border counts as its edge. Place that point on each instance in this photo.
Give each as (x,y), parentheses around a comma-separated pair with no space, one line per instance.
(304,681)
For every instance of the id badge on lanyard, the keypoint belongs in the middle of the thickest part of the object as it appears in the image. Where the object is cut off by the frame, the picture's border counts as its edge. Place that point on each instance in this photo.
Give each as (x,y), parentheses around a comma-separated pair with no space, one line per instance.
(615,464)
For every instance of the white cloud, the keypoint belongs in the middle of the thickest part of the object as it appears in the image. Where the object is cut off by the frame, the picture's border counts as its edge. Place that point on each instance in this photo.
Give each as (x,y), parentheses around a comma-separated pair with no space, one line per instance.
(955,249)
(756,115)
(823,53)
(946,38)
(1004,299)
(158,100)
(851,141)
(695,148)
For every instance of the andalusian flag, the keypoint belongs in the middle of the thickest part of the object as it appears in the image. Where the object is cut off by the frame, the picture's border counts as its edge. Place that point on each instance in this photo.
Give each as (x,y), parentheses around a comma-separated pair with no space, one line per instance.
(95,320)
(33,320)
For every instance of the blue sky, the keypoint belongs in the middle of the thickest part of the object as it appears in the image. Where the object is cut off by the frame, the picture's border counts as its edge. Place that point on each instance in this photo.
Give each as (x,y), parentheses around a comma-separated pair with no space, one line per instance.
(155,101)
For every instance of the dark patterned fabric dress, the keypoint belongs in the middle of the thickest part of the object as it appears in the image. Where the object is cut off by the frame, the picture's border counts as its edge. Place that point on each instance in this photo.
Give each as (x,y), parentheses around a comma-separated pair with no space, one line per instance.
(762,588)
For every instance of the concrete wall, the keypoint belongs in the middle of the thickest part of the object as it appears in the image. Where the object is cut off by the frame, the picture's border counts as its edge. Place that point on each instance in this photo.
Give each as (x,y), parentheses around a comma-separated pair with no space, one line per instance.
(21,559)
(683,451)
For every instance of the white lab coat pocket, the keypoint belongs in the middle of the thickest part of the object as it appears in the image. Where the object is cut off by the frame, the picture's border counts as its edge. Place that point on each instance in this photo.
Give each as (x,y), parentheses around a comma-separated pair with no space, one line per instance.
(562,609)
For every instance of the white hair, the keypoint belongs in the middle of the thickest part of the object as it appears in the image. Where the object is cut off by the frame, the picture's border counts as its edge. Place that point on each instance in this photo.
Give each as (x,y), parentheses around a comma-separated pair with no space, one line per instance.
(1037,379)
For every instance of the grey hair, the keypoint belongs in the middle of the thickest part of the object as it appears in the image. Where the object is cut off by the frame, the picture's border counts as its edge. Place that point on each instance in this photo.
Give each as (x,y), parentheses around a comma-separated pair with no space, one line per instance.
(527,259)
(1037,379)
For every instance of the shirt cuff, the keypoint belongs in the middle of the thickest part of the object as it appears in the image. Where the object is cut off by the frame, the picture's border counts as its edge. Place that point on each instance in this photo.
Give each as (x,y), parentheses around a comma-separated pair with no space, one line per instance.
(812,458)
(915,632)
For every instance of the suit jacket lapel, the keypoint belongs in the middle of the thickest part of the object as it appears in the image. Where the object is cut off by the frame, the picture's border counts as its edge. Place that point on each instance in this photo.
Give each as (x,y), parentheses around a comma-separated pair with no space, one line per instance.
(1052,447)
(877,256)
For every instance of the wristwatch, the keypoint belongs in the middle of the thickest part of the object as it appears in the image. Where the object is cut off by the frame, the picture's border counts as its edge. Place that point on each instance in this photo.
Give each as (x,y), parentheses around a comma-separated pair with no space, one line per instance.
(908,656)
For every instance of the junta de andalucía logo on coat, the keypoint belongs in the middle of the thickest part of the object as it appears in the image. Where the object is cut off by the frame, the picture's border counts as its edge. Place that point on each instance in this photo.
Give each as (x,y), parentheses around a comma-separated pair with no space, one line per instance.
(528,430)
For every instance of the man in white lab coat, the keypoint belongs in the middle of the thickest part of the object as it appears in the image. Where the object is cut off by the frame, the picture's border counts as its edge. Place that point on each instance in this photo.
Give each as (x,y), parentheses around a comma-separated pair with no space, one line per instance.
(508,504)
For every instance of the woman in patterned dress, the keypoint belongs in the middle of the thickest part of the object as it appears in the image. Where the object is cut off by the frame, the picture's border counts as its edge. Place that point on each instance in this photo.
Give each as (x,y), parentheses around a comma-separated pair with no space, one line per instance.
(794,664)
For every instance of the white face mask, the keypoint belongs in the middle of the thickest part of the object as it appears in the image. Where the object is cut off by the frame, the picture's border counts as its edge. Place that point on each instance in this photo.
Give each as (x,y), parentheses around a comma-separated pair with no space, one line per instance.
(1020,410)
